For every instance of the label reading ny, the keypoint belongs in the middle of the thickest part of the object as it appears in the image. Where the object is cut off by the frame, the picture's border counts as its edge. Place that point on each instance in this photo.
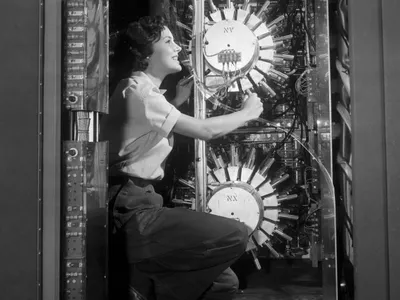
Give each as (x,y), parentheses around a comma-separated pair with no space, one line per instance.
(228,29)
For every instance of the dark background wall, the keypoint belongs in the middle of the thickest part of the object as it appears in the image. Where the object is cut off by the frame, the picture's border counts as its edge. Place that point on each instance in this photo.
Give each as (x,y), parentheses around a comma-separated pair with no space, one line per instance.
(19,177)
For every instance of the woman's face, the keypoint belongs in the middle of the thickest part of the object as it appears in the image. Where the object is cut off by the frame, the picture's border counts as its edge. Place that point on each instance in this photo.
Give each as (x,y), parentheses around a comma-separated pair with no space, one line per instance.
(164,59)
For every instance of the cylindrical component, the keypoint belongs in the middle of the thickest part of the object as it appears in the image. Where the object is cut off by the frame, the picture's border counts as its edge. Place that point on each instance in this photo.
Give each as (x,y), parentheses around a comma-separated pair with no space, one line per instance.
(257,24)
(284,235)
(283,38)
(211,172)
(271,47)
(273,29)
(272,250)
(251,157)
(278,44)
(199,106)
(262,9)
(96,127)
(253,83)
(267,89)
(287,216)
(274,194)
(225,157)
(279,180)
(276,21)
(187,79)
(266,165)
(234,155)
(260,71)
(212,6)
(278,61)
(221,161)
(245,4)
(186,183)
(287,197)
(260,37)
(214,157)
(275,73)
(246,19)
(182,202)
(83,126)
(275,61)
(284,56)
(256,261)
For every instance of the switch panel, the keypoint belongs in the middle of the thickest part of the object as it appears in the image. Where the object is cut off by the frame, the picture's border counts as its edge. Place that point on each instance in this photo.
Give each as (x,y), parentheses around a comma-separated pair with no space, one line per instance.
(84,219)
(86,55)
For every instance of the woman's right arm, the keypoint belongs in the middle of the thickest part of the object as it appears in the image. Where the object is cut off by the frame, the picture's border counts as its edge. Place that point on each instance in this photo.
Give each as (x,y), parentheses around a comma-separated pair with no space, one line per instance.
(211,128)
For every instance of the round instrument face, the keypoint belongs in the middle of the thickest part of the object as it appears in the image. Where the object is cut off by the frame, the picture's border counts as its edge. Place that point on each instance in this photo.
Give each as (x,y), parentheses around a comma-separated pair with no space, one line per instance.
(239,201)
(230,46)
(237,43)
(251,201)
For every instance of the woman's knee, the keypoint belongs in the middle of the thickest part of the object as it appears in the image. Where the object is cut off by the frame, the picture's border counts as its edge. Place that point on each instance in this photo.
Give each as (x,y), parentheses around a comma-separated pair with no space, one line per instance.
(235,241)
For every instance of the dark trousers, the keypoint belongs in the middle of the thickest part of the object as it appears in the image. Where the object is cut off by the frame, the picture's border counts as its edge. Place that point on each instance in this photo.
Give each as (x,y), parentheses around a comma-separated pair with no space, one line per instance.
(185,254)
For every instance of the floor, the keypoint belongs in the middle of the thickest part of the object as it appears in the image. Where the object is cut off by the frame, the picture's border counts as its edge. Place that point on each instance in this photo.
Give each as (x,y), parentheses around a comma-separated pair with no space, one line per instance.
(279,280)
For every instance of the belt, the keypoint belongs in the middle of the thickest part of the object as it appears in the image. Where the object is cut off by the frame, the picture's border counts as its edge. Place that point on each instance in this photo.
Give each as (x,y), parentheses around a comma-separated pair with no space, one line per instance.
(141,182)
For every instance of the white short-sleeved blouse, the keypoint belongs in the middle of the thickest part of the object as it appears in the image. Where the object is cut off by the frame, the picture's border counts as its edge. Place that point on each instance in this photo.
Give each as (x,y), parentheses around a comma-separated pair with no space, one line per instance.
(139,128)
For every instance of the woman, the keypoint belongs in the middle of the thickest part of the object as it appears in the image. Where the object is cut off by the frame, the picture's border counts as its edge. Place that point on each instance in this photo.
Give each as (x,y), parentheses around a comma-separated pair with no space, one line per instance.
(186,253)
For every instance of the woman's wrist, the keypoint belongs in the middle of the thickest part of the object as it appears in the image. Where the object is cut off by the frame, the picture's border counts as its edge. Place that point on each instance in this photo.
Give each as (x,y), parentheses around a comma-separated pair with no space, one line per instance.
(244,115)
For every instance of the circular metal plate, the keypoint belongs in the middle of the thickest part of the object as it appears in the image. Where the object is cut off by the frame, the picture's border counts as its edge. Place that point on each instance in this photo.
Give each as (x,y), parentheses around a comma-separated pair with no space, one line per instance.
(230,37)
(239,201)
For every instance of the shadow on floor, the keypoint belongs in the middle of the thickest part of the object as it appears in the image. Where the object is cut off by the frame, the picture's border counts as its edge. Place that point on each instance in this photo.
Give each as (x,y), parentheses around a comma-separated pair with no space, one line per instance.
(278,280)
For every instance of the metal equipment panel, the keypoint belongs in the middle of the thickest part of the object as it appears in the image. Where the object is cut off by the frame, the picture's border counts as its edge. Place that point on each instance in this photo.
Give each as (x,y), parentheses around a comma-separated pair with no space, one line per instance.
(391,61)
(369,150)
(85,218)
(52,150)
(85,160)
(275,172)
(86,55)
(321,82)
(20,154)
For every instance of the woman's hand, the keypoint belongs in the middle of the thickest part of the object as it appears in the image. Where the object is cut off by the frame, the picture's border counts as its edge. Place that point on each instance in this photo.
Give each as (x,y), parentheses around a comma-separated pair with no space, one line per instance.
(252,106)
(182,92)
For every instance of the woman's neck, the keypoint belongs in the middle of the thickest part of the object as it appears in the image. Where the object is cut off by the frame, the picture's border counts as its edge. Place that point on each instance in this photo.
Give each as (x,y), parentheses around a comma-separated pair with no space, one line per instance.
(156,79)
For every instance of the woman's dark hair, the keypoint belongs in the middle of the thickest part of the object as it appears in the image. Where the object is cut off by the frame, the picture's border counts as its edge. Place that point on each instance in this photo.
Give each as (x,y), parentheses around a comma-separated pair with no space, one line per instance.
(133,46)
